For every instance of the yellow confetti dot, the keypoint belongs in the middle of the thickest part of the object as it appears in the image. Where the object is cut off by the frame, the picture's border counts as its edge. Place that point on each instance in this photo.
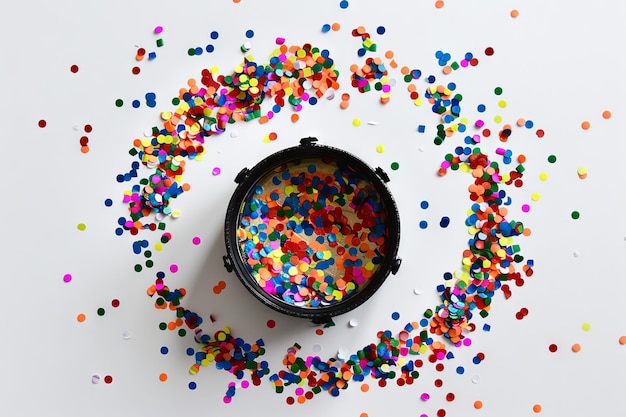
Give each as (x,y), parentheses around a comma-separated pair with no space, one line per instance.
(497,119)
(543,176)
(582,173)
(502,104)
(535,196)
(380,148)
(586,327)
(356,122)
(81,226)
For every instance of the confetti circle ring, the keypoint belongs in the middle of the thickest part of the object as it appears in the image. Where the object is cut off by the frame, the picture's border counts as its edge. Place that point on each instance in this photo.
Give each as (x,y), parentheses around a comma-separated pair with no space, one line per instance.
(312,231)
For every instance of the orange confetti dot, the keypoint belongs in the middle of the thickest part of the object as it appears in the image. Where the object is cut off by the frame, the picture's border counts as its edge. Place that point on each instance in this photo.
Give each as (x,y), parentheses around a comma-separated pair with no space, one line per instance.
(81,317)
(478,404)
(295,117)
(514,13)
(163,377)
(365,387)
(606,114)
(439,4)
(389,54)
(537,408)
(335,26)
(84,149)
(585,125)
(319,332)
(622,340)
(575,347)
(363,415)
(344,105)
(273,136)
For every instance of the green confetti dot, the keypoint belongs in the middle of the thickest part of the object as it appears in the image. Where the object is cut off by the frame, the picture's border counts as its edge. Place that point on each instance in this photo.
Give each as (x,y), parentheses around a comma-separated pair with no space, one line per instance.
(497,91)
(395,166)
(149,263)
(81,226)
(175,101)
(575,215)
(182,332)
(191,51)
(552,159)
(119,102)
(162,325)
(101,311)
(138,268)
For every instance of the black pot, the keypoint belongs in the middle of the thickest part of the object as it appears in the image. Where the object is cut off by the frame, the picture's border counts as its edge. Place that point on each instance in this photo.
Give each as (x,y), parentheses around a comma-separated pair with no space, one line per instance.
(312,231)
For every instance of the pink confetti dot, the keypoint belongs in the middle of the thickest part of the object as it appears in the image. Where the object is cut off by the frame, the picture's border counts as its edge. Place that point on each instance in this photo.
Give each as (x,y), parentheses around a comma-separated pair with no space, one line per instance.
(173,268)
(525,208)
(67,277)
(196,240)
(216,171)
(158,29)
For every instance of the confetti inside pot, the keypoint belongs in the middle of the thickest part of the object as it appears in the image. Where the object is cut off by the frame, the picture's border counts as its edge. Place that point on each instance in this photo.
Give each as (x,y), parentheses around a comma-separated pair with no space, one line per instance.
(312,231)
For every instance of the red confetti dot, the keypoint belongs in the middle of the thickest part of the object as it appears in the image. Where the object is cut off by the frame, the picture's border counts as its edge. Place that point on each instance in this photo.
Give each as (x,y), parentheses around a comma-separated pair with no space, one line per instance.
(489,51)
(115,302)
(271,324)
(553,348)
(136,70)
(108,379)
(88,128)
(450,396)
(42,123)
(84,141)
(439,367)
(481,356)
(540,133)
(290,400)
(382,383)
(438,383)
(441,412)
(74,68)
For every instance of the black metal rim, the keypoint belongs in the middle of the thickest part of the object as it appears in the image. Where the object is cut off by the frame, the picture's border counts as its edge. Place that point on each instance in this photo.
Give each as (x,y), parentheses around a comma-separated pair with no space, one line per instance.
(249,178)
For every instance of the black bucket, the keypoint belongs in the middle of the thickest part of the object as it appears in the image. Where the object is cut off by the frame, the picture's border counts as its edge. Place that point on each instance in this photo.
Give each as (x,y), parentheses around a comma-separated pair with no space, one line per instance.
(312,231)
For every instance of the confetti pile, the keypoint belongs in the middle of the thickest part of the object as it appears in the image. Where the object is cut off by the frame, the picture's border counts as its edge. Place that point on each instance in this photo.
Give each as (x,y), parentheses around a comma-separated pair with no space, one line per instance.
(271,219)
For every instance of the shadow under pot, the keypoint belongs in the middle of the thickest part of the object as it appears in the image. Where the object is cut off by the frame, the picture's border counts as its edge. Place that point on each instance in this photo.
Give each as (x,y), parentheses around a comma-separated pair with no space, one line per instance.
(312,231)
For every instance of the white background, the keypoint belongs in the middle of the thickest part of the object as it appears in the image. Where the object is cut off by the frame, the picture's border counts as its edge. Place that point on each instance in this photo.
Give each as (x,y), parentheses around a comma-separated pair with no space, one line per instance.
(559,63)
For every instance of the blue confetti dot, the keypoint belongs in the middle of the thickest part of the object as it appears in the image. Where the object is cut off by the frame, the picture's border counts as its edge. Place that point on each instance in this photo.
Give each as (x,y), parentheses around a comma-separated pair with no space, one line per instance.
(214,35)
(210,48)
(481,108)
(423,224)
(424,204)
(249,33)
(445,221)
(136,103)
(476,360)
(395,315)
(325,28)
(190,351)
(529,124)
(460,370)
(380,30)
(192,385)
(343,4)
(164,350)
(108,202)
(119,231)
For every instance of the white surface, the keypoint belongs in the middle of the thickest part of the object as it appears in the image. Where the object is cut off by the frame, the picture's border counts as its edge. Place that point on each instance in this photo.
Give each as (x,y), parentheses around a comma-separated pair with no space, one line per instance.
(559,63)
